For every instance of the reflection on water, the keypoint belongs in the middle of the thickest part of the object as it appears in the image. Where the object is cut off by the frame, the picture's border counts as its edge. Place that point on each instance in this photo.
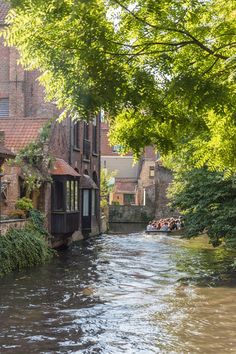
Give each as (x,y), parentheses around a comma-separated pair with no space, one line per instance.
(123,294)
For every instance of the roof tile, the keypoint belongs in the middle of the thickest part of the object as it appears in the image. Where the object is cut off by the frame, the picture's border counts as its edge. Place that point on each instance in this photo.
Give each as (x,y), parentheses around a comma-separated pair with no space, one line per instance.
(20,132)
(61,168)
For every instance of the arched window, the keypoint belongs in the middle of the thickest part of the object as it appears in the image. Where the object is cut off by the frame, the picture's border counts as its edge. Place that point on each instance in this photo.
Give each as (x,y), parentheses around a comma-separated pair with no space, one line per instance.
(76,135)
(95,178)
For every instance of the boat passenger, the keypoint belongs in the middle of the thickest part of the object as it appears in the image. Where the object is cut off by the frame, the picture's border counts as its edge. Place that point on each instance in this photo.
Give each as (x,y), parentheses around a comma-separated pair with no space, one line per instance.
(150,226)
(165,227)
(178,224)
(174,225)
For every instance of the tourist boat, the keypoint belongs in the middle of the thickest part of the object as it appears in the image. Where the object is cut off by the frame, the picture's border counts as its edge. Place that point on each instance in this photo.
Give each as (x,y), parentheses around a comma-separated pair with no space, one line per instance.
(164,233)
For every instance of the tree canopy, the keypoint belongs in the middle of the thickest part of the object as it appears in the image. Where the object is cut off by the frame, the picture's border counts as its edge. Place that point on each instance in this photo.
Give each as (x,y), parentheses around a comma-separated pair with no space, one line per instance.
(164,70)
(208,202)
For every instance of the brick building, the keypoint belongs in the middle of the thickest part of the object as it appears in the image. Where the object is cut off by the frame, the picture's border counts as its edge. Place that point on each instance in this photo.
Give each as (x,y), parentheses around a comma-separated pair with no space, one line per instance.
(132,181)
(71,202)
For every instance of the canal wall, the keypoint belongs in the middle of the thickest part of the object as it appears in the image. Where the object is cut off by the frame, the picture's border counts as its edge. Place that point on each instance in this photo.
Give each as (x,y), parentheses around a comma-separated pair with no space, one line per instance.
(129,214)
(128,218)
(5,225)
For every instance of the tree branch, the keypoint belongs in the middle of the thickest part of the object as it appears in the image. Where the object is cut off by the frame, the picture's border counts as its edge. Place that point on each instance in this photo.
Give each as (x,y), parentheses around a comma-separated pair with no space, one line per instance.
(169,29)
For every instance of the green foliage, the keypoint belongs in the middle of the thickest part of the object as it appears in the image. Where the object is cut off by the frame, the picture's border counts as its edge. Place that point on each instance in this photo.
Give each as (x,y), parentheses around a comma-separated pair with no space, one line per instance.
(24,204)
(115,202)
(208,202)
(35,161)
(37,220)
(17,214)
(106,186)
(164,70)
(26,247)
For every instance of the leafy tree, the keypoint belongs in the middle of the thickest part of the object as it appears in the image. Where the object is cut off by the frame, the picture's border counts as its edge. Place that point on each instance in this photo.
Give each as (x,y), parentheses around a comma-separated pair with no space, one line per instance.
(106,186)
(208,201)
(165,70)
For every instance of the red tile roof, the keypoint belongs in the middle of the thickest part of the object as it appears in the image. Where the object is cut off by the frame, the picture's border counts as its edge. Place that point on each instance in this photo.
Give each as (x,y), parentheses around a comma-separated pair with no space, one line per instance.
(61,168)
(86,182)
(20,132)
(125,187)
(4,8)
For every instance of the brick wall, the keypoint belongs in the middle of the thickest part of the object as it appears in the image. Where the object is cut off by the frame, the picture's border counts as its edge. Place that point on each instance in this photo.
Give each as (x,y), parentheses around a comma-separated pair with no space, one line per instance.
(4,70)
(27,100)
(26,95)
(35,104)
(106,148)
(163,177)
(11,175)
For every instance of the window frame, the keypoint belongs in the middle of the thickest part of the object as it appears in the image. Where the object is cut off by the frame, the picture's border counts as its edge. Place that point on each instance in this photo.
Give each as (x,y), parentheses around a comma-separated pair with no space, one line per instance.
(94,136)
(151,171)
(2,111)
(76,135)
(129,202)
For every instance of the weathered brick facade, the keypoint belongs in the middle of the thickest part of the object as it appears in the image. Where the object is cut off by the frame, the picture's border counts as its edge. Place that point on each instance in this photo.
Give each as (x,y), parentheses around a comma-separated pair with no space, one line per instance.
(24,113)
(131,181)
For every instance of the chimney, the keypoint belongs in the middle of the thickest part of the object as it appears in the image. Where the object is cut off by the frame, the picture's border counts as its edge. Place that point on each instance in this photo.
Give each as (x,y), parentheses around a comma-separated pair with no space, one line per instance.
(2,138)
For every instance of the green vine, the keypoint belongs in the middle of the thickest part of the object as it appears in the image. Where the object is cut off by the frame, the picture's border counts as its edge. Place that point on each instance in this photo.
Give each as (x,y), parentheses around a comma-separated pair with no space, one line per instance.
(37,222)
(35,161)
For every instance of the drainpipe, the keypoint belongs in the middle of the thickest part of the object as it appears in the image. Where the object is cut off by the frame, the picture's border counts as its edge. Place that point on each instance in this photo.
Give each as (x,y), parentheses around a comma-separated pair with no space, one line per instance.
(70,142)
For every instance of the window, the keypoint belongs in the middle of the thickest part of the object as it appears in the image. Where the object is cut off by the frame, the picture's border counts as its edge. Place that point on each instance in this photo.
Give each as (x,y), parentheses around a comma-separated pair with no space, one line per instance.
(116,148)
(93,202)
(68,200)
(72,202)
(58,196)
(85,202)
(22,187)
(151,171)
(76,196)
(129,199)
(95,148)
(86,142)
(76,135)
(86,131)
(4,107)
(3,190)
(102,116)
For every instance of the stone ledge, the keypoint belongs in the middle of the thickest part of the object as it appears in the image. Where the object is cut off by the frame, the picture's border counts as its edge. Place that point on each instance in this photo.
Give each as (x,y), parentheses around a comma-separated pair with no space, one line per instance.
(5,225)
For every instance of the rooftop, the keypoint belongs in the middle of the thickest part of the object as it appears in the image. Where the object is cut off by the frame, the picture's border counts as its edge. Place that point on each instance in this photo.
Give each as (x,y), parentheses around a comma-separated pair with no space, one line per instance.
(125,187)
(61,168)
(20,132)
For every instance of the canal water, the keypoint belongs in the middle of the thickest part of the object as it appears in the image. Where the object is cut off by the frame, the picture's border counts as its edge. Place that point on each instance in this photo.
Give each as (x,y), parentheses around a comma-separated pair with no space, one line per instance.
(123,294)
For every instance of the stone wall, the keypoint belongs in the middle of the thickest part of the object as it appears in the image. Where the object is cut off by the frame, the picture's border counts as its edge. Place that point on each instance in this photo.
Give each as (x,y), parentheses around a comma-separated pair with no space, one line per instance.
(163,177)
(10,178)
(129,214)
(151,198)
